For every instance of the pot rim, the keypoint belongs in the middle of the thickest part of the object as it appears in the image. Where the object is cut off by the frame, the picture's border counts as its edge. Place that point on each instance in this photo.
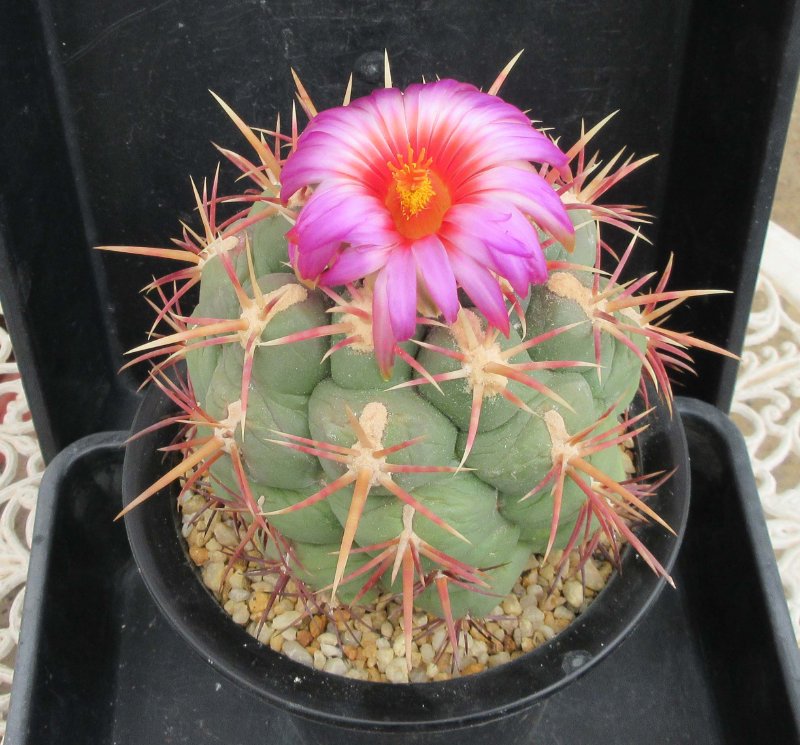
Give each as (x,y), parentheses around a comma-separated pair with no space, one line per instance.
(174,583)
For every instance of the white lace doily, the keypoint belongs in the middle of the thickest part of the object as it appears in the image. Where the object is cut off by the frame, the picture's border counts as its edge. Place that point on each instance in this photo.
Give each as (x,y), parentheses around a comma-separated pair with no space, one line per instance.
(766,407)
(766,404)
(20,473)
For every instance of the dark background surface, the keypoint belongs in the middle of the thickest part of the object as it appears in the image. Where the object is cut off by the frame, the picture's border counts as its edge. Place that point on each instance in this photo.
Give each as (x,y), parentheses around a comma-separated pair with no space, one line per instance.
(108,113)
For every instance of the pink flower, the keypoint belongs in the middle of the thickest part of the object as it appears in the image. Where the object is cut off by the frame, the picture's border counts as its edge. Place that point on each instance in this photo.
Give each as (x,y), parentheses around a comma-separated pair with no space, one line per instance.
(430,188)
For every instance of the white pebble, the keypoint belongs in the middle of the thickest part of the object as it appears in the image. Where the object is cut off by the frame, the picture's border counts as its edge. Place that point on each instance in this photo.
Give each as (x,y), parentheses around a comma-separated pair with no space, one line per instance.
(297,652)
(226,535)
(284,620)
(239,595)
(241,614)
(336,666)
(387,629)
(591,574)
(397,671)
(327,638)
(383,643)
(212,575)
(511,606)
(290,633)
(564,613)
(330,650)
(399,646)
(356,674)
(428,653)
(534,615)
(319,660)
(573,593)
(383,658)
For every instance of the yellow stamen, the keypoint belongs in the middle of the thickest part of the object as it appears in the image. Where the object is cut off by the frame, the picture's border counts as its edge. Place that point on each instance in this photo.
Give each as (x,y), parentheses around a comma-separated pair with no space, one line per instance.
(412,182)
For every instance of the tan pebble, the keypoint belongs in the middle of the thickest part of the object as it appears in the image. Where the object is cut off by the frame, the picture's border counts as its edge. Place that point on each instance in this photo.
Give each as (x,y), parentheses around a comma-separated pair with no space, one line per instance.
(441,676)
(238,580)
(499,659)
(304,637)
(276,642)
(548,632)
(370,649)
(373,674)
(475,667)
(193,503)
(317,625)
(212,544)
(258,602)
(199,555)
(341,614)
(531,579)
(357,674)
(547,573)
(319,660)
(284,605)
(527,644)
(509,645)
(194,538)
(350,651)
(432,670)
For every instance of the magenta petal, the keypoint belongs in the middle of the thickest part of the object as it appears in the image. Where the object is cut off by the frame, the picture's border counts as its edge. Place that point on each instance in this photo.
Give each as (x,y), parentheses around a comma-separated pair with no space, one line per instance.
(401,291)
(382,337)
(434,268)
(354,264)
(483,289)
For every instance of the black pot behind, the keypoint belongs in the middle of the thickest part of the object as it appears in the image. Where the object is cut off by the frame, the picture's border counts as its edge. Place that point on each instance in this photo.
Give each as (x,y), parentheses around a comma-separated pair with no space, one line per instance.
(502,702)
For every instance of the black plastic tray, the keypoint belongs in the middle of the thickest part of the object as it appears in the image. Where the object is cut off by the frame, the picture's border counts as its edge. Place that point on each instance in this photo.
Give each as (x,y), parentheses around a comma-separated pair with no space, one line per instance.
(713,663)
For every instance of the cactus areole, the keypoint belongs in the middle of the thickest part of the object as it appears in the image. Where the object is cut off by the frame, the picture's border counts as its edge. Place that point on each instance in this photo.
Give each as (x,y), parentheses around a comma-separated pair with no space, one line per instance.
(413,353)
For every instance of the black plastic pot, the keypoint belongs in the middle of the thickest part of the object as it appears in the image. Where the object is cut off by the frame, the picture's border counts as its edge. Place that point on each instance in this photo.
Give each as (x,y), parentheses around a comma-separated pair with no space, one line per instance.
(503,702)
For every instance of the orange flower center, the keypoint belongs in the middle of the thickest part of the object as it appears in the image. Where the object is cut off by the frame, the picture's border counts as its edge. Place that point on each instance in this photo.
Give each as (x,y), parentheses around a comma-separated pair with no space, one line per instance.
(417,198)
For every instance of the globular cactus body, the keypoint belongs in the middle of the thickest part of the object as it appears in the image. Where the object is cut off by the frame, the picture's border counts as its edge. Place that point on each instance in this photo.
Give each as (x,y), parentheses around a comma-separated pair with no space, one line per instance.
(301,395)
(428,380)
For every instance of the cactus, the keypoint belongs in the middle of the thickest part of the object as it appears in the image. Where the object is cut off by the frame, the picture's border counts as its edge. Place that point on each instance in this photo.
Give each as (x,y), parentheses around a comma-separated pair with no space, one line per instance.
(389,412)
